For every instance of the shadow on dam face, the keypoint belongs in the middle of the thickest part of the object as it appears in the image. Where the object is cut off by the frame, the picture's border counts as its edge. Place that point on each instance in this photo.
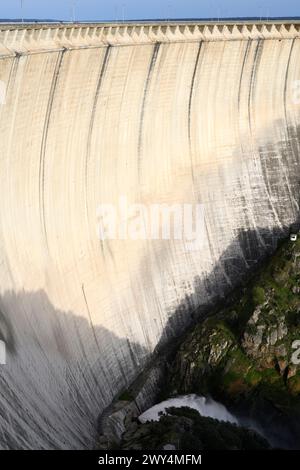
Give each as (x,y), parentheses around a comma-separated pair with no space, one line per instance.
(60,374)
(61,371)
(231,272)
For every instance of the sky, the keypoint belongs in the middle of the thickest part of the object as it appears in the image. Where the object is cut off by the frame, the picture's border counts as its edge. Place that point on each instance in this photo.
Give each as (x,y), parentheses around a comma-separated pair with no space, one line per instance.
(146,9)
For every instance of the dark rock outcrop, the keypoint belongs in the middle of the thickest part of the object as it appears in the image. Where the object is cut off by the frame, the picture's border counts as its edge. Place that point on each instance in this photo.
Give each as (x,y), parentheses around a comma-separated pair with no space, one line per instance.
(247,354)
(184,429)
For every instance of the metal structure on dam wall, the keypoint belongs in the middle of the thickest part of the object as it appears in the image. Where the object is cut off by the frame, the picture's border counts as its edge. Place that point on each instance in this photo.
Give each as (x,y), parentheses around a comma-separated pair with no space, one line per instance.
(187,113)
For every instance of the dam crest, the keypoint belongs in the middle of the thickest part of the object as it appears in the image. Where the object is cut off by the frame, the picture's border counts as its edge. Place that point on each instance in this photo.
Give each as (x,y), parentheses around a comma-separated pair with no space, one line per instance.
(30,39)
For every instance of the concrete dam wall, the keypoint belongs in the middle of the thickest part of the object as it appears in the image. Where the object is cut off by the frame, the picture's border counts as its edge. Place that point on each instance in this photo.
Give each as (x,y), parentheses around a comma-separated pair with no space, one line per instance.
(159,114)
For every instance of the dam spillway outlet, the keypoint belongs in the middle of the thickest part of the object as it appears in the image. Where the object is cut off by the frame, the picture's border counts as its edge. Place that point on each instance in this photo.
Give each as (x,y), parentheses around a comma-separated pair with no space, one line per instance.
(170,114)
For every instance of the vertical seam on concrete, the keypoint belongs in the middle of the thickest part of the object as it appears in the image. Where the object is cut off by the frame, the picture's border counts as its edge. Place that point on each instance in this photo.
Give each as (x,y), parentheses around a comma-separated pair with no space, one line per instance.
(242,71)
(102,71)
(257,56)
(286,78)
(190,104)
(249,42)
(255,65)
(44,142)
(90,318)
(148,79)
(287,131)
(13,70)
(93,328)
(82,346)
(11,80)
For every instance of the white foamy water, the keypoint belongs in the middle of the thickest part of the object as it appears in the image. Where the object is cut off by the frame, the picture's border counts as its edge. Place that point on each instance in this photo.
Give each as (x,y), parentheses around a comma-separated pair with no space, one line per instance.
(205,406)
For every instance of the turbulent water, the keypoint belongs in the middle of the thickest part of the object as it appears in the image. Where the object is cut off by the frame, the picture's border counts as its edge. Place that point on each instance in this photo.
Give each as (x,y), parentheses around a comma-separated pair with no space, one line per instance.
(205,406)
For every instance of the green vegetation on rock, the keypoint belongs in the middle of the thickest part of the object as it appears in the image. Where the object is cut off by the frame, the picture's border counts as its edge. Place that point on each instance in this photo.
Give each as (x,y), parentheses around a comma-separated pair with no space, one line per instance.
(184,429)
(258,295)
(243,357)
(244,353)
(126,396)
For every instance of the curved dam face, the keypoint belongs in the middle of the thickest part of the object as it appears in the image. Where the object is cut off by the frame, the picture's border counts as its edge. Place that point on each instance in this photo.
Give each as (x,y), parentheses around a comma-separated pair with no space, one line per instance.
(155,114)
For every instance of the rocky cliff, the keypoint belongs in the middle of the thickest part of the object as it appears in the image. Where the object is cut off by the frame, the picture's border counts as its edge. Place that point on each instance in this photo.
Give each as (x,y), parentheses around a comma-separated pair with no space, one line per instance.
(248,355)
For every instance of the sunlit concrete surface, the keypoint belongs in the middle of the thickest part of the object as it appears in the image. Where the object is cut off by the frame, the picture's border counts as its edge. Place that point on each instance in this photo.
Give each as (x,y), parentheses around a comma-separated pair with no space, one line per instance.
(181,113)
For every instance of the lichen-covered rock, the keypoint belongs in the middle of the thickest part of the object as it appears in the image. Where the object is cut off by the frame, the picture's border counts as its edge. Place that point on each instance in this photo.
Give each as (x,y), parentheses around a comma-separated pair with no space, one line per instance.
(205,351)
(245,353)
